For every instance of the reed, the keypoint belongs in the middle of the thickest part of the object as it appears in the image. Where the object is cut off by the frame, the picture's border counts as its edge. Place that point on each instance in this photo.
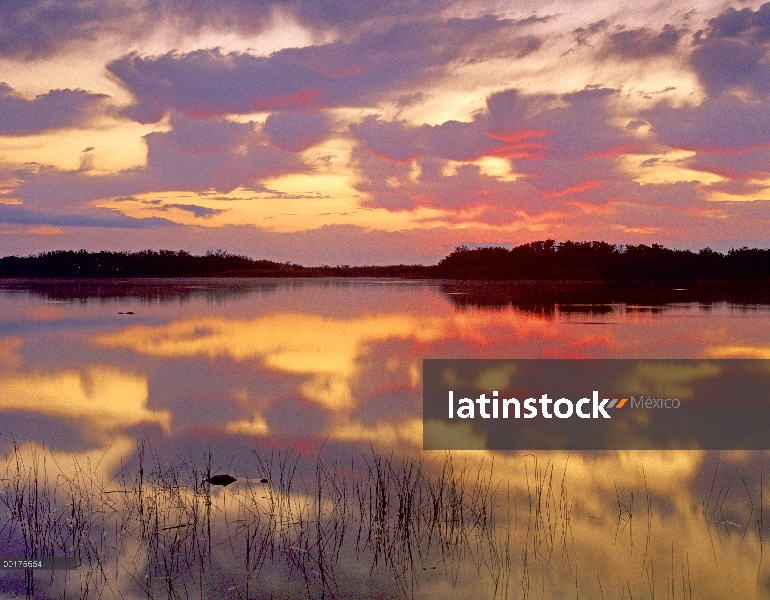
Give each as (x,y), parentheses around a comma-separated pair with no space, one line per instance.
(160,528)
(155,528)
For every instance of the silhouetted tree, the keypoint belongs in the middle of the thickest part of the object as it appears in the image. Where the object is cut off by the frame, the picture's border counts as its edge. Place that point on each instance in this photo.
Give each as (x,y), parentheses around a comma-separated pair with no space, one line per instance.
(542,260)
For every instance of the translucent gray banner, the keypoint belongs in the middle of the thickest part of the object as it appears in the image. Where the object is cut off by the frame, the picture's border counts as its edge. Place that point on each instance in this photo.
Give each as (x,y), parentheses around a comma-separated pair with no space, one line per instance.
(596,404)
(51,563)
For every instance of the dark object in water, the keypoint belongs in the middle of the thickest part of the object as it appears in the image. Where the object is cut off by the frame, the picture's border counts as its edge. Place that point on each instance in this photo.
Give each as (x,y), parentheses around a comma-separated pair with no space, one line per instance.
(264,481)
(223,480)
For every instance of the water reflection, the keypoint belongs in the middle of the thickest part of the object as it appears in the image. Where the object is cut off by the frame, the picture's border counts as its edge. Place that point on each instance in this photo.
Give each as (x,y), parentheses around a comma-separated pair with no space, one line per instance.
(96,400)
(546,297)
(246,368)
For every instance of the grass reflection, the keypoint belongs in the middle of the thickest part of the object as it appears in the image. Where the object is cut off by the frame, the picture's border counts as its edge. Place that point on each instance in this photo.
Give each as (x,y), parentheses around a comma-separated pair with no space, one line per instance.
(438,526)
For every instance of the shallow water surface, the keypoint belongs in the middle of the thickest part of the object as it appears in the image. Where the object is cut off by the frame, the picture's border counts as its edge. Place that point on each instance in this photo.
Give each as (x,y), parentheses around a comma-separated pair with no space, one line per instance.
(119,398)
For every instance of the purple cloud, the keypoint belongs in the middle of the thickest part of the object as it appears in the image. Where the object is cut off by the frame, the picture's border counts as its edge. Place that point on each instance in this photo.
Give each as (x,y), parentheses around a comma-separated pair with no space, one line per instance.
(296,131)
(54,110)
(571,126)
(402,142)
(195,156)
(642,43)
(730,136)
(564,145)
(207,83)
(582,35)
(200,212)
(104,218)
(731,53)
(33,28)
(391,185)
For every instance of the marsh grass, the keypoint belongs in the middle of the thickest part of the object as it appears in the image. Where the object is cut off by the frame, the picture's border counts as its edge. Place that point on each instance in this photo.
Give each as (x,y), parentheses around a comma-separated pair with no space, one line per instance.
(317,528)
(160,530)
(50,514)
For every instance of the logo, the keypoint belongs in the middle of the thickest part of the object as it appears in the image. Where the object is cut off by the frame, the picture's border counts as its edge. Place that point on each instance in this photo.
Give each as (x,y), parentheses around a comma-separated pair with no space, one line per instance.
(596,404)
(563,408)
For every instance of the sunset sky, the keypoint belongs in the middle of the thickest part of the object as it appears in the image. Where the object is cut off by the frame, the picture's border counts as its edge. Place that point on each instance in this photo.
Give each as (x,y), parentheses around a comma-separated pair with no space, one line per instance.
(387,131)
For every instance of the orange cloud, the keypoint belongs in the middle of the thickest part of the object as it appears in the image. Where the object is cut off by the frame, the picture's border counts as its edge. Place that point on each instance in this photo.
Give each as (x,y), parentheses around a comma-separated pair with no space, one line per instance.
(574,189)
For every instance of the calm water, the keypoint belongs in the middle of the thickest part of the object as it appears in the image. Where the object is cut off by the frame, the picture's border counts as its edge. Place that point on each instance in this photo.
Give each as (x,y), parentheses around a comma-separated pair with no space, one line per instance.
(223,375)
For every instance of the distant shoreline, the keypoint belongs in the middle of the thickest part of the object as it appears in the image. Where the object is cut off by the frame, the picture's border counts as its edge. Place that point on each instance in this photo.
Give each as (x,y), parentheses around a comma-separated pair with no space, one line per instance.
(537,261)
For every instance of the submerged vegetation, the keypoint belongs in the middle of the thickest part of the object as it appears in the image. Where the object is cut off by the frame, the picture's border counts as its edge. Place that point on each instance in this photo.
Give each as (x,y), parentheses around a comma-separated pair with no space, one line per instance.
(549,260)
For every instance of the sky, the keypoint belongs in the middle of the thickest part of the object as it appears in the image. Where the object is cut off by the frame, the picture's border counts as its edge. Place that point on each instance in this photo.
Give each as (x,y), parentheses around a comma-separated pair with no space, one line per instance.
(381,132)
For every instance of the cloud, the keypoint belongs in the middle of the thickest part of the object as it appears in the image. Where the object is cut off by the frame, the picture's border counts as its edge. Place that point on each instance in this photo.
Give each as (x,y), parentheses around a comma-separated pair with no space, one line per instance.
(33,28)
(54,110)
(397,142)
(735,224)
(207,83)
(732,52)
(402,142)
(563,146)
(564,150)
(751,165)
(528,161)
(642,43)
(195,156)
(583,34)
(394,186)
(730,136)
(737,187)
(213,154)
(296,131)
(18,215)
(198,211)
(720,125)
(336,13)
(730,128)
(533,127)
(578,124)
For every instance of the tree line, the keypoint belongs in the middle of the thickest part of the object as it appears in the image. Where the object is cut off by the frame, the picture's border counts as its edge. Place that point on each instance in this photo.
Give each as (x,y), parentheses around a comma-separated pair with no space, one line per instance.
(542,260)
(600,261)
(68,264)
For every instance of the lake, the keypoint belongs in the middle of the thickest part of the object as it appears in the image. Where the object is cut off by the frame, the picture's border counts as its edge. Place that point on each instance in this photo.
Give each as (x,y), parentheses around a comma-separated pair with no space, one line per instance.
(119,397)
